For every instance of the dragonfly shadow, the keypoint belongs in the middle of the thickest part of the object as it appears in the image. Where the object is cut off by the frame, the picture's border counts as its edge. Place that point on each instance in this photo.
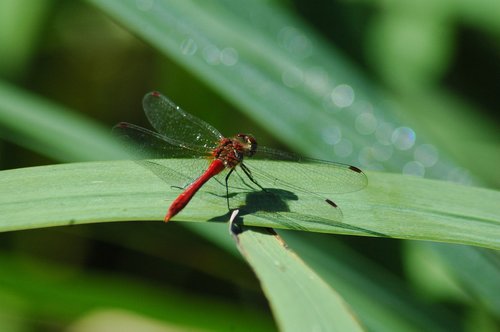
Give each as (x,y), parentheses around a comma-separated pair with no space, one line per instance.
(271,204)
(269,201)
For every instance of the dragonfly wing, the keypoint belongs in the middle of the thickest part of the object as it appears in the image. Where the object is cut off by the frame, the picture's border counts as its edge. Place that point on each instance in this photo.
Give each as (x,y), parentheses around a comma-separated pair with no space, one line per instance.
(268,199)
(142,143)
(320,176)
(172,122)
(184,164)
(277,173)
(145,143)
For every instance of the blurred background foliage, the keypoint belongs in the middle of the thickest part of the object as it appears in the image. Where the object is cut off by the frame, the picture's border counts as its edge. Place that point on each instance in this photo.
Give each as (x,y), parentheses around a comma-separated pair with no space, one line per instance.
(435,62)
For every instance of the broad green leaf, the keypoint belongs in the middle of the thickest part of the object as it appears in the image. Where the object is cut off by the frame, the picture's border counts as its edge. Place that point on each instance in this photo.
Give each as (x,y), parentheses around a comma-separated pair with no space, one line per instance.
(393,206)
(300,299)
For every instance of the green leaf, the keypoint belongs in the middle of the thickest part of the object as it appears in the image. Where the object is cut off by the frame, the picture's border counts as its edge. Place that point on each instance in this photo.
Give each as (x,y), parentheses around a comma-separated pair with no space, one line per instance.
(53,130)
(363,283)
(393,206)
(486,261)
(300,299)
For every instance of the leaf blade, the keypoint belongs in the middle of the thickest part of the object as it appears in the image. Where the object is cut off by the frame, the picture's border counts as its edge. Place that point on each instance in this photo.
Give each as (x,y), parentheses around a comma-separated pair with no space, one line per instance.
(124,190)
(300,299)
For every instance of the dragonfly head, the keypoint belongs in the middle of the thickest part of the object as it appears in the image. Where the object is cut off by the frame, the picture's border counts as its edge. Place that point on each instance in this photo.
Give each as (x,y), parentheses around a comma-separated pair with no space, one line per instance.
(248,143)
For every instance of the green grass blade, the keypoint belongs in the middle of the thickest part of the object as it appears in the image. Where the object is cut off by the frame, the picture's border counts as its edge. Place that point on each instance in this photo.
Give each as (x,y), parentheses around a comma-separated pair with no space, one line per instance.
(300,299)
(53,130)
(375,293)
(392,205)
(480,261)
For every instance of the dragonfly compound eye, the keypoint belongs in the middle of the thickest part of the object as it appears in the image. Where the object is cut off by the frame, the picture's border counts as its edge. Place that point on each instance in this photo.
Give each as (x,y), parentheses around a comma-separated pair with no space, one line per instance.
(249,142)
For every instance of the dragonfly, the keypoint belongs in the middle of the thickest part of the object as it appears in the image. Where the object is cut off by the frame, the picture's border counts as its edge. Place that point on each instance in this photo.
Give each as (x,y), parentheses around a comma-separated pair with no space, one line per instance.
(242,171)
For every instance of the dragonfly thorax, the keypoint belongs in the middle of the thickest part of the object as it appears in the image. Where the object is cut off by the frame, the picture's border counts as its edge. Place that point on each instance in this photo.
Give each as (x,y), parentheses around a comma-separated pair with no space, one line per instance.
(232,150)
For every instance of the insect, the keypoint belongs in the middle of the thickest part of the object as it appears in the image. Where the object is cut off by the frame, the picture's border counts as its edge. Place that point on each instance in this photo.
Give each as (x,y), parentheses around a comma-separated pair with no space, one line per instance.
(231,161)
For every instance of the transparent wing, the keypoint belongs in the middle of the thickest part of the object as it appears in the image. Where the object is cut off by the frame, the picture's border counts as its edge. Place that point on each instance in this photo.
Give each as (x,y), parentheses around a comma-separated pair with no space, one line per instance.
(294,209)
(184,165)
(146,143)
(142,143)
(315,176)
(272,201)
(294,187)
(171,121)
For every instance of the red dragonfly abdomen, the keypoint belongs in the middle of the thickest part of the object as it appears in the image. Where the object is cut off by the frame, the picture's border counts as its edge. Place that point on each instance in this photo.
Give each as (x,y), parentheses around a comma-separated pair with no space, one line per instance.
(216,166)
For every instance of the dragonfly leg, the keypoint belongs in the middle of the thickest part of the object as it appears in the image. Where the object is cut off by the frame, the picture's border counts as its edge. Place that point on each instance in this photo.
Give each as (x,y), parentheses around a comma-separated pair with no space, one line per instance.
(250,176)
(184,186)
